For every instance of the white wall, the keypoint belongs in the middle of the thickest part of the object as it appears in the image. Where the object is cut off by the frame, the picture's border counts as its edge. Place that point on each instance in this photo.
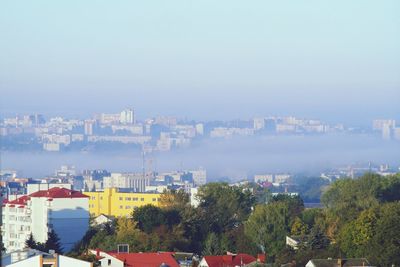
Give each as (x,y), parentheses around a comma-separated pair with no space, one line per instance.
(64,261)
(31,262)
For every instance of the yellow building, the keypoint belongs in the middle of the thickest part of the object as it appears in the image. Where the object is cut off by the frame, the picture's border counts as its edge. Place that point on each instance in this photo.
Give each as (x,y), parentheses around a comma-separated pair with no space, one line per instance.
(114,202)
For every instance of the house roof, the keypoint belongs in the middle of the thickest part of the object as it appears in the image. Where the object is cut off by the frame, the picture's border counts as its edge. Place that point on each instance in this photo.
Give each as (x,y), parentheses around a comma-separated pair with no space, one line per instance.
(345,262)
(58,192)
(19,201)
(229,260)
(146,259)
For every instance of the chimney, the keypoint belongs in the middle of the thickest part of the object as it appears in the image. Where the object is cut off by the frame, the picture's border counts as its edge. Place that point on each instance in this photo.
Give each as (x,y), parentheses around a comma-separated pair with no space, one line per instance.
(261,258)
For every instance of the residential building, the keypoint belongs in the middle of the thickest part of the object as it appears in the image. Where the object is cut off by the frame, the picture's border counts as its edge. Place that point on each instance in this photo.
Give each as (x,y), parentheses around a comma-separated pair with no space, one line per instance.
(199,176)
(155,259)
(259,178)
(20,255)
(135,181)
(119,203)
(230,260)
(32,188)
(88,127)
(62,210)
(258,123)
(127,117)
(380,123)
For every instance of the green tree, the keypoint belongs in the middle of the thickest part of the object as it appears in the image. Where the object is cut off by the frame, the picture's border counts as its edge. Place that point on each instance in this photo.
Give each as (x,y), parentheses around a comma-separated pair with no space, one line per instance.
(30,242)
(148,217)
(268,226)
(53,242)
(299,228)
(224,207)
(212,245)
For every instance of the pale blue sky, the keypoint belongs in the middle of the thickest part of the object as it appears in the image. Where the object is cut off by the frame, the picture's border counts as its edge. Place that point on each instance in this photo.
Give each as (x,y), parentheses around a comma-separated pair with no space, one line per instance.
(335,60)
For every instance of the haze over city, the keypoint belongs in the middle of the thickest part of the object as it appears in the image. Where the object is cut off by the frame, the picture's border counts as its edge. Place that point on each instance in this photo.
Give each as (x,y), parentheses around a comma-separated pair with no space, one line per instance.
(205,60)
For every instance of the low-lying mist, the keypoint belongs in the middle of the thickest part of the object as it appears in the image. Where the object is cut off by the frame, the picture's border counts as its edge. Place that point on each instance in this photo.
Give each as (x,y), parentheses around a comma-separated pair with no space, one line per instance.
(236,158)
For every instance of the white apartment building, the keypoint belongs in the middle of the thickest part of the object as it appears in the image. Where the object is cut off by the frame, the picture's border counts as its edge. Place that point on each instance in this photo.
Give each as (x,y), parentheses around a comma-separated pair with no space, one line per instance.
(199,176)
(127,117)
(379,124)
(258,123)
(259,178)
(63,210)
(134,181)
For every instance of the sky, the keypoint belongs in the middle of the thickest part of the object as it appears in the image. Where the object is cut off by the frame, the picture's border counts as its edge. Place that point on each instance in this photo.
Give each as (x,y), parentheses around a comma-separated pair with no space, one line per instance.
(333,60)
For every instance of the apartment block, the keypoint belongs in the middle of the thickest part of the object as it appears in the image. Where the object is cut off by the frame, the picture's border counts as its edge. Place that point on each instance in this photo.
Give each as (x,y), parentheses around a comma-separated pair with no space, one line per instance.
(118,202)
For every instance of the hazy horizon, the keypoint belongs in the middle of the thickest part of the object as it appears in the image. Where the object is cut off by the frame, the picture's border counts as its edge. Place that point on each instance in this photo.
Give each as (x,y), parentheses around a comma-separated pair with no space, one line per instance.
(335,61)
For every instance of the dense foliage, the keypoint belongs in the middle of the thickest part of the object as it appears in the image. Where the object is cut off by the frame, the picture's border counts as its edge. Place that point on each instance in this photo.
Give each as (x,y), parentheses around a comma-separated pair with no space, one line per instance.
(360,218)
(52,243)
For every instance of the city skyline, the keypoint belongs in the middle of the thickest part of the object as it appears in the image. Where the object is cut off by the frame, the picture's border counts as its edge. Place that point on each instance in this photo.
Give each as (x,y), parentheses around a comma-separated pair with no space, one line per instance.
(338,60)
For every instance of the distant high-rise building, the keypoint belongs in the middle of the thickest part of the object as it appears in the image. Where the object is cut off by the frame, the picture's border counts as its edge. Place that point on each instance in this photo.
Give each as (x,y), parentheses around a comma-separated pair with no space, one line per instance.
(134,181)
(379,124)
(258,123)
(127,116)
(88,127)
(387,131)
(200,128)
(199,176)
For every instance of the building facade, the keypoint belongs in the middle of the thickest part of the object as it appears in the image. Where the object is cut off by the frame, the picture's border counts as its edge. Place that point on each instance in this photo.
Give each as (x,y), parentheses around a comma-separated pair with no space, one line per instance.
(119,203)
(64,211)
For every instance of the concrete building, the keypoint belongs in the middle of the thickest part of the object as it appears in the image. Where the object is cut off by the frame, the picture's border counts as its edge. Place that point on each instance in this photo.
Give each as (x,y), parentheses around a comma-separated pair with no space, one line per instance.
(88,127)
(119,203)
(259,178)
(134,181)
(64,211)
(258,123)
(380,123)
(127,117)
(199,176)
(387,131)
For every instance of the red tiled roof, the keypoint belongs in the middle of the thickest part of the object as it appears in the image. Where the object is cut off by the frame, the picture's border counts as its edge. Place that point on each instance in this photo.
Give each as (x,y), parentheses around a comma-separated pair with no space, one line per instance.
(229,260)
(146,259)
(58,192)
(19,201)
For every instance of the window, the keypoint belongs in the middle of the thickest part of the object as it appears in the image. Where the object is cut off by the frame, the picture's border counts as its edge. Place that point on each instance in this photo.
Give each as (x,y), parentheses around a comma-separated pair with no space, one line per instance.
(135,199)
(101,198)
(109,261)
(121,207)
(142,199)
(158,199)
(127,207)
(128,198)
(93,198)
(120,198)
(154,199)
